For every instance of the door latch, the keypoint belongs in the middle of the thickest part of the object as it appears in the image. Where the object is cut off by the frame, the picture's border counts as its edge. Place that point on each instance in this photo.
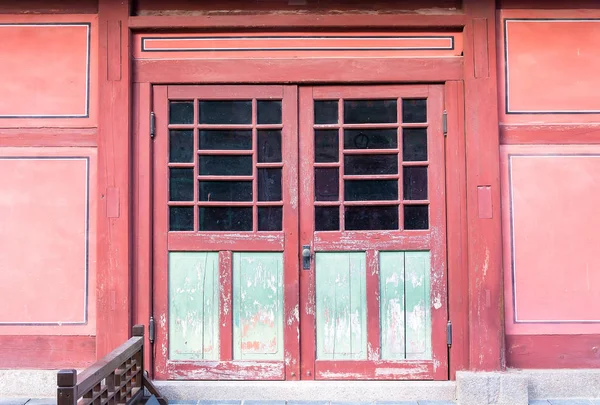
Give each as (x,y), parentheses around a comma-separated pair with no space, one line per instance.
(306,255)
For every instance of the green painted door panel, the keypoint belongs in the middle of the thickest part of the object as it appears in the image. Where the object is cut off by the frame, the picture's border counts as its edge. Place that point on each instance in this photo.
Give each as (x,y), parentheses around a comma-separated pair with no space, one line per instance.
(391,279)
(418,310)
(258,306)
(404,305)
(341,306)
(193,306)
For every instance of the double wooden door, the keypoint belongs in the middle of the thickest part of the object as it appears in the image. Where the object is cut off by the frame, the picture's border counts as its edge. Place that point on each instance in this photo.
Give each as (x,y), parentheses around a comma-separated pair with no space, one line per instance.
(299,232)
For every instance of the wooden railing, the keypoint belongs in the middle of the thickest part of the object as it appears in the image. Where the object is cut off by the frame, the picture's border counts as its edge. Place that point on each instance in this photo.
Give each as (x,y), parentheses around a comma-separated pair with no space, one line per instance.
(117,379)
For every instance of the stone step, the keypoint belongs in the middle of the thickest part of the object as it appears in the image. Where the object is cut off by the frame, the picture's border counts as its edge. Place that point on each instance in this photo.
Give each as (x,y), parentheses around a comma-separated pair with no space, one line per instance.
(324,391)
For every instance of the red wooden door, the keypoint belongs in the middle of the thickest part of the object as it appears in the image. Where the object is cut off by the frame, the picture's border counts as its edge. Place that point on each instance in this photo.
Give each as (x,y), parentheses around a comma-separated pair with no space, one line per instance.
(225,232)
(333,268)
(373,222)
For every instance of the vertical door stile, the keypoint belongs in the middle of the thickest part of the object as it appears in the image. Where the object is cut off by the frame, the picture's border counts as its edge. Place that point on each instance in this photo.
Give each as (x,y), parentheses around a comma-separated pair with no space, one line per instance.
(160,256)
(306,190)
(373,312)
(225,305)
(291,229)
(438,296)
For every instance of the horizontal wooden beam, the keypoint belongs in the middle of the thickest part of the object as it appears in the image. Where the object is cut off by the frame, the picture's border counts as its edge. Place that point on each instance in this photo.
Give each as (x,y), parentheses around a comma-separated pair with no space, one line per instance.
(552,351)
(549,134)
(47,352)
(304,21)
(311,70)
(48,137)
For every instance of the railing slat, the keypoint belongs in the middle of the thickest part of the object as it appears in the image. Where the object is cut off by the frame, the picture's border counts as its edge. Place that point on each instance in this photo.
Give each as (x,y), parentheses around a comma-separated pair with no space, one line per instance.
(102,368)
(116,379)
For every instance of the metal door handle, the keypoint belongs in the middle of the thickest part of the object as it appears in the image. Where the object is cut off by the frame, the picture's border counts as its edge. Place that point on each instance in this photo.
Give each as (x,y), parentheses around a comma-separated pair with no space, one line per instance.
(306,256)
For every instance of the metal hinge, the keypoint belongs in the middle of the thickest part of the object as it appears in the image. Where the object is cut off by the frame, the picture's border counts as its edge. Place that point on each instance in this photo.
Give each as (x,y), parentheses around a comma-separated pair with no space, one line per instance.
(152,125)
(449,333)
(151,328)
(445,122)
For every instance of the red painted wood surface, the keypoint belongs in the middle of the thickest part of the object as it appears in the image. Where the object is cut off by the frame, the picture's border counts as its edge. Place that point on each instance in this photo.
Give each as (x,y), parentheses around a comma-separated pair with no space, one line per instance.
(458,269)
(47,352)
(226,242)
(142,214)
(363,70)
(291,190)
(298,45)
(374,370)
(114,156)
(226,298)
(50,7)
(547,64)
(44,83)
(372,302)
(555,292)
(433,239)
(226,370)
(549,134)
(577,6)
(299,21)
(52,190)
(182,7)
(484,241)
(48,137)
(553,351)
(306,233)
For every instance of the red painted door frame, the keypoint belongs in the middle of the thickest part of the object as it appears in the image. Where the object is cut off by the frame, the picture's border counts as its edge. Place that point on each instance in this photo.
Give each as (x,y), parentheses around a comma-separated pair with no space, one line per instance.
(152,157)
(478,336)
(372,242)
(226,242)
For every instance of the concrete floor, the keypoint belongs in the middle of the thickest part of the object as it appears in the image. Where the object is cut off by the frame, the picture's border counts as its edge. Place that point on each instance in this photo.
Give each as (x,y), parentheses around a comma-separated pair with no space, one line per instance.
(52,401)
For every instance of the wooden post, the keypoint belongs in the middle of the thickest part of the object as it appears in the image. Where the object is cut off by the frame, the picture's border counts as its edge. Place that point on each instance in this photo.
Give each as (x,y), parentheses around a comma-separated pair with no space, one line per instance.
(114,162)
(66,394)
(483,188)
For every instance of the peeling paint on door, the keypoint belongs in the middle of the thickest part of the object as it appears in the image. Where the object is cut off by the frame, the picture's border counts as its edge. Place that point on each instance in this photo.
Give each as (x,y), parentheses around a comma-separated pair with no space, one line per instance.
(405,305)
(393,331)
(341,306)
(418,306)
(258,306)
(193,306)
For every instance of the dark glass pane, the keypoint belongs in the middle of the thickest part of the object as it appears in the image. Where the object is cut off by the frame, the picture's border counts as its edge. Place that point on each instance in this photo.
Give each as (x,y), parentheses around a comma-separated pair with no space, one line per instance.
(269,184)
(371,218)
(269,112)
(181,146)
(370,190)
(370,111)
(326,146)
(226,112)
(226,140)
(370,139)
(370,164)
(181,112)
(225,191)
(269,146)
(415,183)
(225,165)
(181,184)
(414,110)
(416,217)
(414,144)
(327,218)
(225,218)
(181,218)
(327,186)
(326,112)
(270,218)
